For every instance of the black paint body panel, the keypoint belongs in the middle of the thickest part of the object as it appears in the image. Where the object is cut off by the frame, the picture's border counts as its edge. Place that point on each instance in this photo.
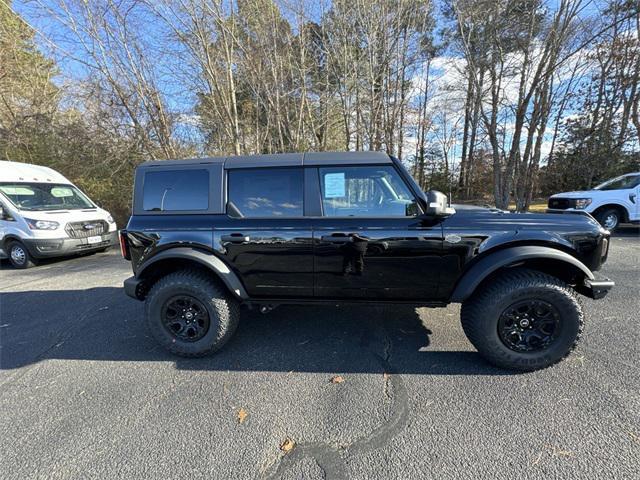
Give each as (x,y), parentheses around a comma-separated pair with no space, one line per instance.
(419,259)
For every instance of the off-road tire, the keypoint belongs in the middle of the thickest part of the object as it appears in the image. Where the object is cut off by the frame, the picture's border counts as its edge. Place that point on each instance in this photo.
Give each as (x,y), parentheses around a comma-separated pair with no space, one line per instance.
(602,216)
(28,260)
(223,310)
(480,315)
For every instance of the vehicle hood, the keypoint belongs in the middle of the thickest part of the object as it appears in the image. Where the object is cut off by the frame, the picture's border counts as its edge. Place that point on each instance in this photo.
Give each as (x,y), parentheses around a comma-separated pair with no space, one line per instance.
(478,216)
(66,216)
(576,194)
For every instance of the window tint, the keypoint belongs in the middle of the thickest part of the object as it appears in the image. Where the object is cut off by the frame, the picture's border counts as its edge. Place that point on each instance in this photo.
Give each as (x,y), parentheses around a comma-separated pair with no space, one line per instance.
(373,191)
(171,190)
(275,192)
(622,183)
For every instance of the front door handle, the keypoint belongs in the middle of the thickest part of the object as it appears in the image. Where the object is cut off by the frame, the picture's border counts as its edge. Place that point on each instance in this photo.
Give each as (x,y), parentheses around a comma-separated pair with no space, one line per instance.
(235,238)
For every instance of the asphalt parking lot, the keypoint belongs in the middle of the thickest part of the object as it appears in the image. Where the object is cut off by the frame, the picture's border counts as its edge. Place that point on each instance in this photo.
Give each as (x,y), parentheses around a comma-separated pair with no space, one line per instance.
(86,393)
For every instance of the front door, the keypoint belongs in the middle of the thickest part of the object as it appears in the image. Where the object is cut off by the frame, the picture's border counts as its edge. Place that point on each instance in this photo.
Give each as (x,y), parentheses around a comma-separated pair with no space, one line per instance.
(371,241)
(265,237)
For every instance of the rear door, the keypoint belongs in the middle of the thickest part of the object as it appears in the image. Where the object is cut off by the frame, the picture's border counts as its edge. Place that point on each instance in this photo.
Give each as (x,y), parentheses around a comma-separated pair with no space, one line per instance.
(371,240)
(264,235)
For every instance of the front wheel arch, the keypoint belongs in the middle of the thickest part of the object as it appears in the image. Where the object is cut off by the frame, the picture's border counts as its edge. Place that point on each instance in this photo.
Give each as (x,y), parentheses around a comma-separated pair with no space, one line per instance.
(622,211)
(546,260)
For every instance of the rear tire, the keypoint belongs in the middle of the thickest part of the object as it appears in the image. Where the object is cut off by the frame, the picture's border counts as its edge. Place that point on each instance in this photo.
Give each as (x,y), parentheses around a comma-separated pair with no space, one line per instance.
(19,255)
(509,334)
(609,218)
(191,315)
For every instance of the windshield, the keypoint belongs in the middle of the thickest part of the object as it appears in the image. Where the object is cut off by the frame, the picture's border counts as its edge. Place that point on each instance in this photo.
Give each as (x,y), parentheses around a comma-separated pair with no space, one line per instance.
(620,183)
(45,196)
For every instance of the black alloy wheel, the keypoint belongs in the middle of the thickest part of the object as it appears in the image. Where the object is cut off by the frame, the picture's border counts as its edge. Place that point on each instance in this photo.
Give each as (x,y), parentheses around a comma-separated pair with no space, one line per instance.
(186,318)
(529,325)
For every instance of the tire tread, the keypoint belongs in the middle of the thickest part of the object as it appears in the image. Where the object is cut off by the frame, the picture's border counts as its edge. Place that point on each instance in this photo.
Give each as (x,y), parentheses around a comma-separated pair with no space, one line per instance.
(228,308)
(520,278)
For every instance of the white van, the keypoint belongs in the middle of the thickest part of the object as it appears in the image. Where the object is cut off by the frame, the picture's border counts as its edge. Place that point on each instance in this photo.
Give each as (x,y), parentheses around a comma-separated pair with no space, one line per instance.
(42,214)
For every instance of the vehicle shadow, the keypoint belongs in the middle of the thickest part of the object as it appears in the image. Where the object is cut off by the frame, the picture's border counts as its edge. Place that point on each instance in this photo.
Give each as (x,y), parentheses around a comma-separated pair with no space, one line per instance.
(102,324)
(627,230)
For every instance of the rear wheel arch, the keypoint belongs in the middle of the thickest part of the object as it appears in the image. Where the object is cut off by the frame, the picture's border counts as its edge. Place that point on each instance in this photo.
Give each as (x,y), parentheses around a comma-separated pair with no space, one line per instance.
(550,261)
(190,259)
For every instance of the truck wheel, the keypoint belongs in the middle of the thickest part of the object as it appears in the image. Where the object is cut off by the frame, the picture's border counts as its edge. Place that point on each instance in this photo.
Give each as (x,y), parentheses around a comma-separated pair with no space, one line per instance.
(609,218)
(523,320)
(19,255)
(190,315)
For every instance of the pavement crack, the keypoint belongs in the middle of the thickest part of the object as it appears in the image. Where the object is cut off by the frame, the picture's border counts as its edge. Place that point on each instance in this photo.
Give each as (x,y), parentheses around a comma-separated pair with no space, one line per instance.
(332,460)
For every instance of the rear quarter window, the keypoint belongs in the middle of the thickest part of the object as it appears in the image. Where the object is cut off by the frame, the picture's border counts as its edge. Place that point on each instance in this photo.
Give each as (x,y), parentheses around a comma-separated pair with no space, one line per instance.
(176,190)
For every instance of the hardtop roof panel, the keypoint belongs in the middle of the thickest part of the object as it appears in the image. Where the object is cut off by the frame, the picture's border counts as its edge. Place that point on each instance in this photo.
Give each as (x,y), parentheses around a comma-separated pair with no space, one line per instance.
(280,160)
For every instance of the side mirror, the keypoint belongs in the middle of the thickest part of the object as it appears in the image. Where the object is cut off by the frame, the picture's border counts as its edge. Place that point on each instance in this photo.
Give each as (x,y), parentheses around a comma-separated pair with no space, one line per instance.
(437,204)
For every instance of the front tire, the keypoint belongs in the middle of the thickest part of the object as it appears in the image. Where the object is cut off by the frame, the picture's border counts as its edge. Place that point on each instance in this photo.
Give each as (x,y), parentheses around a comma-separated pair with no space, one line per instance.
(19,255)
(191,315)
(523,320)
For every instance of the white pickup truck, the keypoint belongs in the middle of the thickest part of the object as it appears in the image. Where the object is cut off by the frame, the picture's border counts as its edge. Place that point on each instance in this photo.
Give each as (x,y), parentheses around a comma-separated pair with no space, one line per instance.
(611,203)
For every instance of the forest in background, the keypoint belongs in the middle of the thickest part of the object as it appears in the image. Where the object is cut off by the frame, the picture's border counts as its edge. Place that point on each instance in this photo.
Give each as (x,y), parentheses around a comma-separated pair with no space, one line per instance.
(495,100)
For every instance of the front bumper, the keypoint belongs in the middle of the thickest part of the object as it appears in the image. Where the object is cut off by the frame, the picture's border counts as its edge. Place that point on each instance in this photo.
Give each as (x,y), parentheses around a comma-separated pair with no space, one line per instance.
(60,247)
(597,288)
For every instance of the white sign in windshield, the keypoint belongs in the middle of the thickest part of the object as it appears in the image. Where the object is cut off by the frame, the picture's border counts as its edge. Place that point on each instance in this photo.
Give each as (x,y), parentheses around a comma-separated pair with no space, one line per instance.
(11,190)
(61,192)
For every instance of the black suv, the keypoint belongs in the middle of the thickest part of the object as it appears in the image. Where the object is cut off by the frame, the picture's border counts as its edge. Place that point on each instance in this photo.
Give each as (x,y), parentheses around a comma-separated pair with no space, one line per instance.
(208,235)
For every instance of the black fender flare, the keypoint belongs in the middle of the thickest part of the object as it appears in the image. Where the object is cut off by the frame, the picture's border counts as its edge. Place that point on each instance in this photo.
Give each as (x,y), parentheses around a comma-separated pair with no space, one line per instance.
(509,256)
(208,260)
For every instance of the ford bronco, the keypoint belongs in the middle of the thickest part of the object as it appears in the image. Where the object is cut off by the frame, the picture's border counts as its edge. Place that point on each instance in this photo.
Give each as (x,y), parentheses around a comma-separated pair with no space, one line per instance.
(209,235)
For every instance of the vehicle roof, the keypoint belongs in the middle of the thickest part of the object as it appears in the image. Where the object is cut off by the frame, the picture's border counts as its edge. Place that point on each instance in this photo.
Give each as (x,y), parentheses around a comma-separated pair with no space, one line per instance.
(26,172)
(281,160)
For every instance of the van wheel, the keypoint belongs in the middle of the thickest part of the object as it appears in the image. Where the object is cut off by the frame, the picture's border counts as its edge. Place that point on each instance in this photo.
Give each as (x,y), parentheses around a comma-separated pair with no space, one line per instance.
(190,315)
(19,255)
(523,320)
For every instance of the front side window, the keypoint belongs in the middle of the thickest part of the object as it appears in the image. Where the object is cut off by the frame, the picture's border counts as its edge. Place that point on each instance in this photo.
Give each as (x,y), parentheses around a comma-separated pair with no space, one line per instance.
(620,183)
(371,191)
(176,190)
(45,196)
(262,192)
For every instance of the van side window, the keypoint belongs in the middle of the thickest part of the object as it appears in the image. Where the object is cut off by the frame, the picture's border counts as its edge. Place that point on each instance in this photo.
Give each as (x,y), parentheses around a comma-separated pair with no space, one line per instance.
(261,192)
(176,190)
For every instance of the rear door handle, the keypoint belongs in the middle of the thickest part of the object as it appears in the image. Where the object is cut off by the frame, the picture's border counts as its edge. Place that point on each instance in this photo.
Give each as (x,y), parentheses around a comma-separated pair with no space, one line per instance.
(235,238)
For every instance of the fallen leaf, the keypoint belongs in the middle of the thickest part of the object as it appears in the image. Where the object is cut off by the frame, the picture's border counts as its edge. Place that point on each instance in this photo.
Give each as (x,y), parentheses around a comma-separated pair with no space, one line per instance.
(386,376)
(242,415)
(337,379)
(287,445)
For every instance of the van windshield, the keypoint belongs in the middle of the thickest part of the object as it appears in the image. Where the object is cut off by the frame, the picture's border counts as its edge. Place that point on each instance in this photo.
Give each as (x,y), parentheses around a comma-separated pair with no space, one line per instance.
(45,196)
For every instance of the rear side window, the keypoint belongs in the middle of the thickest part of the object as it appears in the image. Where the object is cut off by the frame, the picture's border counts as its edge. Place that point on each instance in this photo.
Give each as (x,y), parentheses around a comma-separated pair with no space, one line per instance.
(276,192)
(176,190)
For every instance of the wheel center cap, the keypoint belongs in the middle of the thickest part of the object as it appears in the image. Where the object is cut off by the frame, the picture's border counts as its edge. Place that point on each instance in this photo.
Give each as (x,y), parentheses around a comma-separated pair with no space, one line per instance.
(188,316)
(524,323)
